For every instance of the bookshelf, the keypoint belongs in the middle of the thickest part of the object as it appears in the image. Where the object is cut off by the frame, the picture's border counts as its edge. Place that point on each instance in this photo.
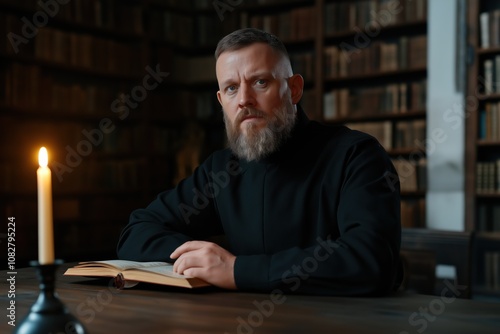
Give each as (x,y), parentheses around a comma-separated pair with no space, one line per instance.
(374,80)
(66,72)
(482,146)
(88,64)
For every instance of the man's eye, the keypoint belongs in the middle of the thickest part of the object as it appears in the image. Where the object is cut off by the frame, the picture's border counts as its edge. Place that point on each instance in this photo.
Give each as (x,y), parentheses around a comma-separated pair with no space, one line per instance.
(261,82)
(231,88)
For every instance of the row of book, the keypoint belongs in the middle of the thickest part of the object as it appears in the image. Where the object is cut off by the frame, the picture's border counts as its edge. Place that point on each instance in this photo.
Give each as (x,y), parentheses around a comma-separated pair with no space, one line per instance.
(87,51)
(107,14)
(492,75)
(404,53)
(413,213)
(489,121)
(410,134)
(401,135)
(297,24)
(412,174)
(88,176)
(488,176)
(31,87)
(71,140)
(489,25)
(70,48)
(371,101)
(189,30)
(341,16)
(382,131)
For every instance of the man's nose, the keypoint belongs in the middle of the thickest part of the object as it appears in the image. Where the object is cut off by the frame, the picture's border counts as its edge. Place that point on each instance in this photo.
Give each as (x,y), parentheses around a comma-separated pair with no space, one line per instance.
(246,96)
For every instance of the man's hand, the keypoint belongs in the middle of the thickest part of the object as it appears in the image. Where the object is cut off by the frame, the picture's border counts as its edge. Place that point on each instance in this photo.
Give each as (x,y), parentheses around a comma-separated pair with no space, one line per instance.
(207,261)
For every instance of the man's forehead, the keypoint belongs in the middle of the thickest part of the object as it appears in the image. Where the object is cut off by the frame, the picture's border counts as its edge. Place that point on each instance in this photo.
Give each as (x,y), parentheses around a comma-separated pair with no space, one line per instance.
(257,57)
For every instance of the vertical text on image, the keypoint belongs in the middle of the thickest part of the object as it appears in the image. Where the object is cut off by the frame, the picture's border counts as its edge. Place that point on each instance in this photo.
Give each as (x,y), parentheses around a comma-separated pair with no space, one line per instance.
(11,273)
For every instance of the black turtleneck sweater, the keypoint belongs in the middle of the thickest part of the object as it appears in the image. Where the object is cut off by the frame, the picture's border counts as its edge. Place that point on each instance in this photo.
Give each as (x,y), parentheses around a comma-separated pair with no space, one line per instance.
(319,216)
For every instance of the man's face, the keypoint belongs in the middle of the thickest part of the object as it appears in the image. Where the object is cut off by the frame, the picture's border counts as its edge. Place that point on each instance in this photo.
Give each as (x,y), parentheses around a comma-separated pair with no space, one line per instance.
(257,102)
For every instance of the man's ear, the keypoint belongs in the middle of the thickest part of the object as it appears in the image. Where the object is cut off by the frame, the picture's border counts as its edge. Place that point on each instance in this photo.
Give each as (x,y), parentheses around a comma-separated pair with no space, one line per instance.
(218,97)
(296,85)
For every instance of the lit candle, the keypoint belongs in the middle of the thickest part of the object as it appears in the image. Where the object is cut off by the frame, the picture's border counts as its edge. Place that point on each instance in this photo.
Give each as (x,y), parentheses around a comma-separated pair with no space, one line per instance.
(45,227)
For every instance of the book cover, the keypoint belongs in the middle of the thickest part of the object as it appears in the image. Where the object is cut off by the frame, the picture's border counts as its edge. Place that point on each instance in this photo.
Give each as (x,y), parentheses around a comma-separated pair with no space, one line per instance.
(130,272)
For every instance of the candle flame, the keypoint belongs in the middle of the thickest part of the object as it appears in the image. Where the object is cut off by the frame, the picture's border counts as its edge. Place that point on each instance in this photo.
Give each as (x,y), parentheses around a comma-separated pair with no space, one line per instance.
(43,157)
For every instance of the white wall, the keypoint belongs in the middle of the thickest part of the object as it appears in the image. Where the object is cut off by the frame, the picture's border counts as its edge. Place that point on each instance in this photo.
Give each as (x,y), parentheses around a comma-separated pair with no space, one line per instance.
(445,201)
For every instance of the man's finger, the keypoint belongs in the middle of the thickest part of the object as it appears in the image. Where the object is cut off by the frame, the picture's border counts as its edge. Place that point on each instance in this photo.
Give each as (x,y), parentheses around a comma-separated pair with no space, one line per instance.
(186,247)
(186,261)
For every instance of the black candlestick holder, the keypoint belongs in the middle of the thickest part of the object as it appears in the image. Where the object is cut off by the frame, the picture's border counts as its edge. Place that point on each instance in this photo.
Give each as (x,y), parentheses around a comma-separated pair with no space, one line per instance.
(48,314)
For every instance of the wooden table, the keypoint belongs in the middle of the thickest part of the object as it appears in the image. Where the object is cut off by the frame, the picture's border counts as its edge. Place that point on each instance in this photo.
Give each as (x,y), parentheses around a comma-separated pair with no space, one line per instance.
(154,309)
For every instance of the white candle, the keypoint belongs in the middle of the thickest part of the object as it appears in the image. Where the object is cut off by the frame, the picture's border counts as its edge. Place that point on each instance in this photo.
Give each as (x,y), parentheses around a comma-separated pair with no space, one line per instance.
(45,225)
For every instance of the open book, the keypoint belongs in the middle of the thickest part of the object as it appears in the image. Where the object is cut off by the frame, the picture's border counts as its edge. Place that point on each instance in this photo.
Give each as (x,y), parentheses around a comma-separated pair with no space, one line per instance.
(127,273)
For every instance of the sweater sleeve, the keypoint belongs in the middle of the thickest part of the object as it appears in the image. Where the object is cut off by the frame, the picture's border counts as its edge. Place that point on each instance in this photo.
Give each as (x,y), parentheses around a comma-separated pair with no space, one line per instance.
(363,259)
(183,213)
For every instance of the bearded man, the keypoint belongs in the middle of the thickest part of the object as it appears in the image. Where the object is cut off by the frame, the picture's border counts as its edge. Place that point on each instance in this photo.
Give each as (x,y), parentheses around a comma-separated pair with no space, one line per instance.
(305,207)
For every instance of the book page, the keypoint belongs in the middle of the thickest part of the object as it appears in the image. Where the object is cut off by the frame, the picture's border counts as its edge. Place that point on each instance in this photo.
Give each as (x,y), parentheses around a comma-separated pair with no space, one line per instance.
(122,264)
(166,269)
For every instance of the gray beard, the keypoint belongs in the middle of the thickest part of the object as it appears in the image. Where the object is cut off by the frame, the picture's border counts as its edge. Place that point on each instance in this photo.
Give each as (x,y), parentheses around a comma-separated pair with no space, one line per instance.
(257,143)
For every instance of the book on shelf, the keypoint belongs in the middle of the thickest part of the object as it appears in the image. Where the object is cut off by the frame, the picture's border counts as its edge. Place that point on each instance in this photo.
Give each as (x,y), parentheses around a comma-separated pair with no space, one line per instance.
(343,16)
(382,131)
(128,273)
(380,57)
(86,51)
(488,176)
(409,133)
(489,122)
(489,25)
(492,75)
(372,101)
(296,24)
(412,174)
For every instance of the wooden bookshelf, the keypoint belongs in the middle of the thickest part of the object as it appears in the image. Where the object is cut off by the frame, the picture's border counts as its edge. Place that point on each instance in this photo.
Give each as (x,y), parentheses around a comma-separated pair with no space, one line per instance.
(482,146)
(385,68)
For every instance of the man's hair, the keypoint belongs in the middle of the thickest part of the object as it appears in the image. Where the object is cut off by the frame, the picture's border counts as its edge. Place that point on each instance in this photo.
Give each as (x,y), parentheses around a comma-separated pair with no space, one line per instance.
(247,36)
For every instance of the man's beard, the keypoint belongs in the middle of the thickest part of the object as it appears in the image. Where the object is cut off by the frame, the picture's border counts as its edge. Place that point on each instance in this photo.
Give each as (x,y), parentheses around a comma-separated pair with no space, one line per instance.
(255,143)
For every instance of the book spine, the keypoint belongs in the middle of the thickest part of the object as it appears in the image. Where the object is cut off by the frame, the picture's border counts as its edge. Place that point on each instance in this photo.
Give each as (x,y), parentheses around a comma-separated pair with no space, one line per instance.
(484,19)
(488,76)
(497,74)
